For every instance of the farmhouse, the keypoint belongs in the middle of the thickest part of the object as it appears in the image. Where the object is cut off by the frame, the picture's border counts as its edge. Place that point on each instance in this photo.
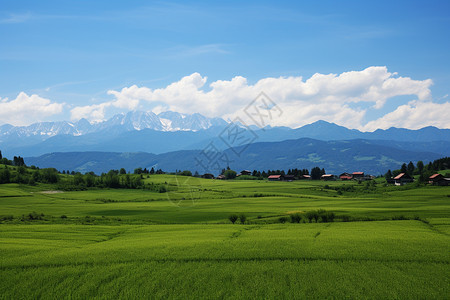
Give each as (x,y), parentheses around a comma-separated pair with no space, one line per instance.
(358,175)
(221,177)
(345,176)
(208,176)
(304,177)
(403,178)
(327,177)
(289,177)
(245,172)
(438,179)
(275,177)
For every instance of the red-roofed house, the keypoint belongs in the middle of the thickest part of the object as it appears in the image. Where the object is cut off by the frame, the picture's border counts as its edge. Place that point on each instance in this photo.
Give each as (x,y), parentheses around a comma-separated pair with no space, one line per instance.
(403,178)
(275,177)
(327,177)
(357,175)
(346,176)
(439,179)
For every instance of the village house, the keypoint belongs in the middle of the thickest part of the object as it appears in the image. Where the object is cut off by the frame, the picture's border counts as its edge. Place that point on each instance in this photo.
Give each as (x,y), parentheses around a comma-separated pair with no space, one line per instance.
(275,177)
(304,177)
(402,178)
(439,179)
(328,177)
(208,176)
(289,178)
(346,176)
(358,175)
(245,172)
(220,177)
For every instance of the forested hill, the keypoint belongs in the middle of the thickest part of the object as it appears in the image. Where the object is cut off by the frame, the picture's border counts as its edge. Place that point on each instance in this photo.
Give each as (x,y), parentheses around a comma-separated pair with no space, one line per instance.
(372,157)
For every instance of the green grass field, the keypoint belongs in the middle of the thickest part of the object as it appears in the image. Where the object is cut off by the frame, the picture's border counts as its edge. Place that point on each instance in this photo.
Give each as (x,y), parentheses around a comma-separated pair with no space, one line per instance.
(180,244)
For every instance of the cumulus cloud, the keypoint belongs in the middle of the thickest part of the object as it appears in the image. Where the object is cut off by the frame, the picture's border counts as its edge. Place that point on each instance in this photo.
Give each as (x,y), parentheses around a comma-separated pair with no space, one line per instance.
(94,113)
(414,115)
(335,98)
(338,98)
(26,109)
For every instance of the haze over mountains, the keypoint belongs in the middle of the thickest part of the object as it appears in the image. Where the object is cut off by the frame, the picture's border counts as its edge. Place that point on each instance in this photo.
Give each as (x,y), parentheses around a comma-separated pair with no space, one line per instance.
(321,143)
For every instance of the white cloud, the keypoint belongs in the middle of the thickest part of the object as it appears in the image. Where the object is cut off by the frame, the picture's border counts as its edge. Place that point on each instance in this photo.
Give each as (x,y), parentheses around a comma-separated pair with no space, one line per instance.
(25,109)
(95,113)
(414,115)
(337,98)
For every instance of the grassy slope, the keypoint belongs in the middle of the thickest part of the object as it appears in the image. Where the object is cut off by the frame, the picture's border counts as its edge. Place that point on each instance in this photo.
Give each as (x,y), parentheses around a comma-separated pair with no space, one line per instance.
(359,259)
(385,259)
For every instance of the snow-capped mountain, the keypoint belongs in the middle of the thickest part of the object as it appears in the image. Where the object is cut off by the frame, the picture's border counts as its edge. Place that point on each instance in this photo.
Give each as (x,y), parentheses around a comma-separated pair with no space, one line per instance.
(174,121)
(135,120)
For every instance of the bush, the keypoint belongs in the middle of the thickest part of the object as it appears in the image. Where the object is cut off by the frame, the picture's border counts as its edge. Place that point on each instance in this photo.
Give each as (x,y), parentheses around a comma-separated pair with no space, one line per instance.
(327,216)
(295,218)
(401,217)
(35,216)
(6,218)
(162,189)
(283,219)
(230,174)
(242,218)
(63,217)
(233,218)
(346,218)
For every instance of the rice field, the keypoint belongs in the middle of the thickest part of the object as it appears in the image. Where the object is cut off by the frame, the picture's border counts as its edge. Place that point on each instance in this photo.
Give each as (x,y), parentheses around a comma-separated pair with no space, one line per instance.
(180,245)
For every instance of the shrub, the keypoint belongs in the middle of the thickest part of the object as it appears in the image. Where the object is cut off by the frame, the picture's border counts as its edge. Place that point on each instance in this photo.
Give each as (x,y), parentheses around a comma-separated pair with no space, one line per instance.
(401,217)
(233,218)
(295,218)
(346,218)
(35,216)
(162,189)
(242,218)
(63,217)
(283,219)
(327,216)
(310,216)
(6,218)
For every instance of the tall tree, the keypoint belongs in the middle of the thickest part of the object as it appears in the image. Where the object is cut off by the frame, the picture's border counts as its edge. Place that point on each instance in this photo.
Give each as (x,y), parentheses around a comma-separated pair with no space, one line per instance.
(316,173)
(410,168)
(388,174)
(404,169)
(420,166)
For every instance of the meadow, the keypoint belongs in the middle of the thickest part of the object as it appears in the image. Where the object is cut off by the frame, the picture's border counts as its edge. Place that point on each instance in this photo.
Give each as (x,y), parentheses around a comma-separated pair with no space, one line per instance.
(386,242)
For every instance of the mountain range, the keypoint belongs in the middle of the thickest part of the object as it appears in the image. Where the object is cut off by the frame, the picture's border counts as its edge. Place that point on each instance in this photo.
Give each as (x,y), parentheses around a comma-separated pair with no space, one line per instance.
(174,141)
(171,131)
(335,156)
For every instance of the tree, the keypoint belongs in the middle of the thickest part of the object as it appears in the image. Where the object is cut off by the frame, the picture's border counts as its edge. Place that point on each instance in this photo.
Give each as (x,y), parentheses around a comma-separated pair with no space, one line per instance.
(50,175)
(230,174)
(410,168)
(122,171)
(18,161)
(296,218)
(310,216)
(5,176)
(1,154)
(242,218)
(404,169)
(388,175)
(233,218)
(185,173)
(78,179)
(420,166)
(316,173)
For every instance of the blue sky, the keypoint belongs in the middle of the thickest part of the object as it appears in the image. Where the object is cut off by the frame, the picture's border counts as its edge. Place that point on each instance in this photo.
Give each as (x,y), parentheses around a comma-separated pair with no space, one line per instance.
(81,54)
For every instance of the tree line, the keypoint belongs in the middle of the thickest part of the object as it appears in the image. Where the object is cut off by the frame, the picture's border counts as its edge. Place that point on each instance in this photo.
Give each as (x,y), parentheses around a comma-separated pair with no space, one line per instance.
(424,171)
